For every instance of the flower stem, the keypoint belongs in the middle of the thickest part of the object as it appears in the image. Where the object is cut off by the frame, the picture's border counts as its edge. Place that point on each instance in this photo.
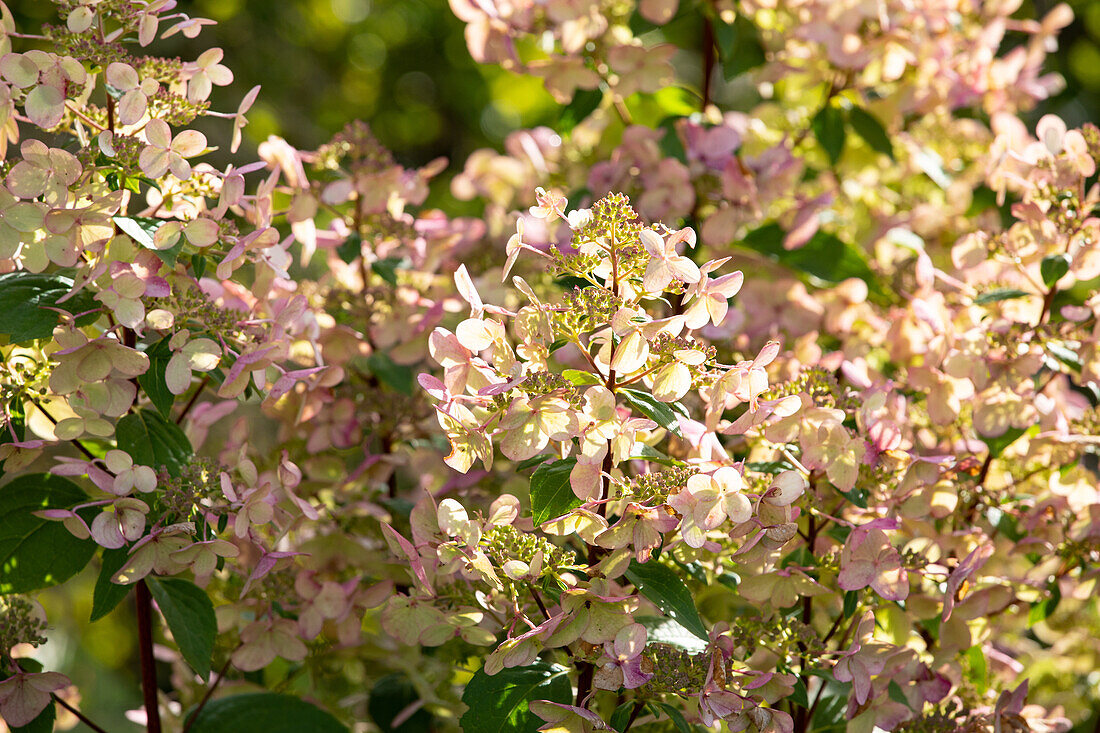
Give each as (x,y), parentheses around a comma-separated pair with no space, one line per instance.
(144,602)
(206,697)
(80,716)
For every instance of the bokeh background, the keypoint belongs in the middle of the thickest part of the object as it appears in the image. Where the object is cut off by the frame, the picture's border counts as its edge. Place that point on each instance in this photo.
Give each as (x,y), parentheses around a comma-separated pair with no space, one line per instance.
(402,66)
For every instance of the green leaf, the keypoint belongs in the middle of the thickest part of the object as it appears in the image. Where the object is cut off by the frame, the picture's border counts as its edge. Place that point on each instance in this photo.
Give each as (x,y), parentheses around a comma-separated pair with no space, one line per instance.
(651,454)
(621,716)
(190,617)
(264,712)
(675,716)
(896,694)
(389,697)
(825,257)
(397,377)
(871,130)
(999,294)
(800,696)
(107,595)
(1053,267)
(351,248)
(25,300)
(979,669)
(739,46)
(153,382)
(998,444)
(198,265)
(34,552)
(661,585)
(584,103)
(1042,610)
(664,630)
(829,129)
(579,378)
(851,603)
(153,441)
(531,462)
(551,494)
(1063,353)
(657,411)
(670,144)
(387,269)
(140,228)
(498,703)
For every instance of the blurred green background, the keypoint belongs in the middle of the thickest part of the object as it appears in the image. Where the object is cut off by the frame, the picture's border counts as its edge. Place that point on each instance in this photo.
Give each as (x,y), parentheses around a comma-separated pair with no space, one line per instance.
(402,66)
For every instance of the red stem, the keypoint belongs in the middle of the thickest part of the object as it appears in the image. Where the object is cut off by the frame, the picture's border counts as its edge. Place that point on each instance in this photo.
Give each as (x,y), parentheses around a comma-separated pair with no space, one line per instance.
(144,602)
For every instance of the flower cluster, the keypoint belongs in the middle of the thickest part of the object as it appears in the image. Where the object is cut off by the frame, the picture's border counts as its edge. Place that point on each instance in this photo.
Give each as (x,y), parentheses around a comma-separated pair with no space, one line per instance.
(788,425)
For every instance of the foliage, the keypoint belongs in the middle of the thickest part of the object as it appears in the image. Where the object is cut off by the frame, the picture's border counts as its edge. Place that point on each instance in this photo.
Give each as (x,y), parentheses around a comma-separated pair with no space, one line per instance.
(850,485)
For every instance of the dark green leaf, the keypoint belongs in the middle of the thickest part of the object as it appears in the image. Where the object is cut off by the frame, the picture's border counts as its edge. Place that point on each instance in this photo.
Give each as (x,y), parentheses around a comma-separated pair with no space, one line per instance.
(857,495)
(584,103)
(1042,610)
(153,382)
(829,129)
(896,693)
(999,294)
(851,603)
(108,595)
(675,716)
(198,266)
(825,257)
(670,144)
(142,228)
(387,269)
(397,377)
(657,411)
(37,553)
(190,617)
(351,248)
(983,198)
(661,585)
(871,130)
(264,712)
(664,630)
(800,696)
(153,441)
(498,703)
(1053,267)
(739,46)
(551,494)
(25,300)
(531,462)
(389,697)
(621,716)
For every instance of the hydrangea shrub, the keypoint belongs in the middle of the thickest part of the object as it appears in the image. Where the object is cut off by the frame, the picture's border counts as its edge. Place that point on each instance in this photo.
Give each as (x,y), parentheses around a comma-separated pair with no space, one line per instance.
(776,411)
